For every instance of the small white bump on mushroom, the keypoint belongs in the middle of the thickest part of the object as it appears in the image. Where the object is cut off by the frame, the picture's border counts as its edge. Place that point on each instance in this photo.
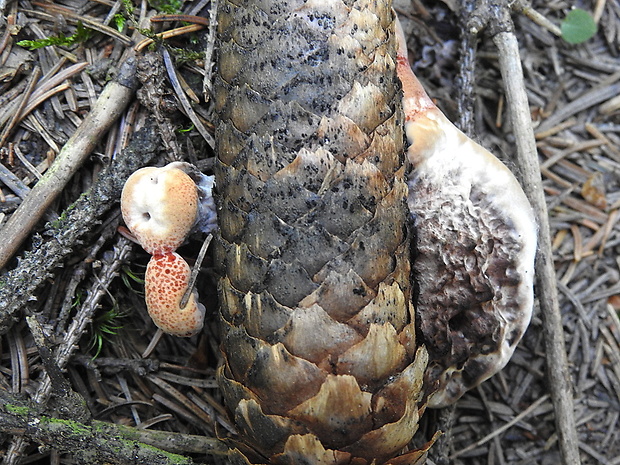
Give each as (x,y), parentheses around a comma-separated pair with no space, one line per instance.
(160,207)
(166,280)
(475,246)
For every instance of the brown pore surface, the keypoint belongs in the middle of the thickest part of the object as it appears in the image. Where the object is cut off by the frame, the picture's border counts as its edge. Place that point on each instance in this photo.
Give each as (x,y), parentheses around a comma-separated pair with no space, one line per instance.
(317,330)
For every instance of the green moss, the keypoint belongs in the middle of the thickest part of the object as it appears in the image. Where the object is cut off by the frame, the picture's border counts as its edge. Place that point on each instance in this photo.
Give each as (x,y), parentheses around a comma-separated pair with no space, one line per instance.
(16,409)
(173,458)
(128,437)
(186,56)
(75,427)
(82,34)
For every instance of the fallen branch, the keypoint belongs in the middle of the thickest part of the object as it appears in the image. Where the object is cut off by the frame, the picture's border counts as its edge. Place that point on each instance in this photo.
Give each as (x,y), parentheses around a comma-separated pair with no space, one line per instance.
(53,384)
(527,160)
(18,285)
(101,442)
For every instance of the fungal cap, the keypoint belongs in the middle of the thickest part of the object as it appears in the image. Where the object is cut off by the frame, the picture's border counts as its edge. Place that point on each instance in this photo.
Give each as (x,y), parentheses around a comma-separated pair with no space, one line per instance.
(166,280)
(476,238)
(160,207)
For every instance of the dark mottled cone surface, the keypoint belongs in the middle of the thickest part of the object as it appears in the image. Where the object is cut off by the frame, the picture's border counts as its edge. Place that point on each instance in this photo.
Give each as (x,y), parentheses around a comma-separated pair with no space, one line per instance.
(321,362)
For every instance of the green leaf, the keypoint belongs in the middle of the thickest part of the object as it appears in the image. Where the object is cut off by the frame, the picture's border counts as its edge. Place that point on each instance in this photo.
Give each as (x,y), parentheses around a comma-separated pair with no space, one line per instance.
(578,26)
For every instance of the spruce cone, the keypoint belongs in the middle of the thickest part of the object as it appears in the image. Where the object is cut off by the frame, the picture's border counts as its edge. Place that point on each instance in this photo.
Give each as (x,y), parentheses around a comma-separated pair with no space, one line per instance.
(321,361)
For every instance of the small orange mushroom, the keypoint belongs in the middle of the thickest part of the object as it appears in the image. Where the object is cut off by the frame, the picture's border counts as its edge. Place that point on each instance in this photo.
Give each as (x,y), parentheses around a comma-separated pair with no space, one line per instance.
(166,280)
(160,207)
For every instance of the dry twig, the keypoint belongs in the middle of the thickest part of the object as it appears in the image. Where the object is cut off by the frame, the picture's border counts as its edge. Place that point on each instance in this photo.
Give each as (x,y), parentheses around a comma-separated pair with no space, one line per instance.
(101,442)
(557,365)
(112,102)
(70,341)
(19,284)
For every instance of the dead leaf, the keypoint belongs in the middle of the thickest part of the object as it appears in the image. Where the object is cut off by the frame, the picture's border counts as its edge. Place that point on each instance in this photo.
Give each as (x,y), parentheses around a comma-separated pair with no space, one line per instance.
(593,191)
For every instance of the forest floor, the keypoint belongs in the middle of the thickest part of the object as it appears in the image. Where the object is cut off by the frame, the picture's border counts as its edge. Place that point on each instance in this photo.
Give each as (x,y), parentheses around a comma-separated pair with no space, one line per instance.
(82,280)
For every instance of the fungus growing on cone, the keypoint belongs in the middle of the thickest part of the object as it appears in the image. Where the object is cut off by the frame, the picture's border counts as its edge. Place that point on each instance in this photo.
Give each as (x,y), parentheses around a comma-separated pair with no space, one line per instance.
(474,247)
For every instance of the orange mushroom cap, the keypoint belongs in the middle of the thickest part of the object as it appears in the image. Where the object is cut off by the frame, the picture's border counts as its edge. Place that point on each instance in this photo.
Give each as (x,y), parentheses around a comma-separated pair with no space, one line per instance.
(160,207)
(166,280)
